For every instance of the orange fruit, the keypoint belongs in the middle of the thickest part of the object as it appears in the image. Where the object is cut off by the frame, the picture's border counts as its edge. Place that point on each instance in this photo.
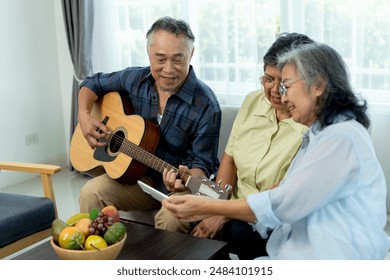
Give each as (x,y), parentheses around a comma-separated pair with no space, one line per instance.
(83,225)
(71,238)
(95,242)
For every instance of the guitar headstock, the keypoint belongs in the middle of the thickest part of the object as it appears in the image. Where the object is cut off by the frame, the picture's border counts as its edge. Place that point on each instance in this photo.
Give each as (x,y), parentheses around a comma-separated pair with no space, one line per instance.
(206,187)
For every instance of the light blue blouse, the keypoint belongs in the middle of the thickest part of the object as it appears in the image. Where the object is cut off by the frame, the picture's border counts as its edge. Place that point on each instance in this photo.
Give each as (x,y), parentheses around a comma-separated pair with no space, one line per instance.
(332,202)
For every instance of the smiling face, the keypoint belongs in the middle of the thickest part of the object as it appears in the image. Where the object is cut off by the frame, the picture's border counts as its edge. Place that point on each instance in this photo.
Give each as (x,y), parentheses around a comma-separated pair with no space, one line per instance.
(300,99)
(170,58)
(271,80)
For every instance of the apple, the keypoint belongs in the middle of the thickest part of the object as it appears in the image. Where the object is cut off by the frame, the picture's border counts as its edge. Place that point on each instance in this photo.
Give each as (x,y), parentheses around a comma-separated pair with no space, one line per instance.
(112,212)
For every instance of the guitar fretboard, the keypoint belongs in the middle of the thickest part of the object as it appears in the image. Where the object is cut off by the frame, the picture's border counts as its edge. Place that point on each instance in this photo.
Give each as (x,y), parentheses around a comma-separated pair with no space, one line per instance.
(132,150)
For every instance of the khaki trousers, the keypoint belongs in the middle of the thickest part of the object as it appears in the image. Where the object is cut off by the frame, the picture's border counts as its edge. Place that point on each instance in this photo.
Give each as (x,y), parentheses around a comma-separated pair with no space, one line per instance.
(102,191)
(164,220)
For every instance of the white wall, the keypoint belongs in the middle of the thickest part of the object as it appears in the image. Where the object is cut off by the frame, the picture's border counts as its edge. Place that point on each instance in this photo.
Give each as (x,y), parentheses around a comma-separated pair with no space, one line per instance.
(35,84)
(32,94)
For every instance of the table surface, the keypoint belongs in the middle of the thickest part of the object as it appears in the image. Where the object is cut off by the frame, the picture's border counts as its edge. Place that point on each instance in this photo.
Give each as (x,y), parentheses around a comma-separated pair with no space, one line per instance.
(147,243)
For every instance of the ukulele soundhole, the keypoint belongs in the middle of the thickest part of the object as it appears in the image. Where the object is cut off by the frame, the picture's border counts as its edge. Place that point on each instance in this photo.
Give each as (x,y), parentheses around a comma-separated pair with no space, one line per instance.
(116,141)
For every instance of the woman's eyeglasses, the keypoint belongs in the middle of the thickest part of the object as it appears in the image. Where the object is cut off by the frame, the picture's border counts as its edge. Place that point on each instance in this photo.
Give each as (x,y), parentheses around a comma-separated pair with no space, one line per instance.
(283,88)
(268,81)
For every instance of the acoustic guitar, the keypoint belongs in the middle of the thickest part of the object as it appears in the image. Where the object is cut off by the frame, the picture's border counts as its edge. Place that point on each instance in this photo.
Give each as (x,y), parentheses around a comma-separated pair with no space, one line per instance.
(129,149)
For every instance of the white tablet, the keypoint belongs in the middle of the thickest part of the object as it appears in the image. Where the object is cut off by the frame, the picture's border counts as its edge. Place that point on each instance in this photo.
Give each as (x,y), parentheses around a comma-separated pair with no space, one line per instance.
(152,191)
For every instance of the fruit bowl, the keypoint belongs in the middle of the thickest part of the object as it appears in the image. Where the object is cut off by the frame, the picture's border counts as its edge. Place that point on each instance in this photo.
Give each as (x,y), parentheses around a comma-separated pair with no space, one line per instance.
(109,253)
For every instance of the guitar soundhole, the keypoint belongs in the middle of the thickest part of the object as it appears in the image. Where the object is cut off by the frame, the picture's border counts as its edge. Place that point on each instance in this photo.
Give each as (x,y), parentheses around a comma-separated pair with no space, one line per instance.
(116,141)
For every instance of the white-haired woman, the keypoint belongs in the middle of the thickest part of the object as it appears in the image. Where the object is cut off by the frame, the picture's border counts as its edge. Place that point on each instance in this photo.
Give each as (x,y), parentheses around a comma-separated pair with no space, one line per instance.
(332,202)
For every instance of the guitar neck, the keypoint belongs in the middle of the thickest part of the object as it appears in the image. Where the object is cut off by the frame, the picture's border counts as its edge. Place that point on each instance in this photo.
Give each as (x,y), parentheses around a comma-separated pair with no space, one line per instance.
(148,159)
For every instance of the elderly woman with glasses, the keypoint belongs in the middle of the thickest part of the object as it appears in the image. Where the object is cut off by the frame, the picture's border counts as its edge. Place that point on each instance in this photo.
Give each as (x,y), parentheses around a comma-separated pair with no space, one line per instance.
(331,204)
(263,141)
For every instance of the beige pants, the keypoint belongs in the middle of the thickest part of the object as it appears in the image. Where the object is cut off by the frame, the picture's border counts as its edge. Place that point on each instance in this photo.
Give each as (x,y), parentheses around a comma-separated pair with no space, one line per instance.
(102,191)
(164,220)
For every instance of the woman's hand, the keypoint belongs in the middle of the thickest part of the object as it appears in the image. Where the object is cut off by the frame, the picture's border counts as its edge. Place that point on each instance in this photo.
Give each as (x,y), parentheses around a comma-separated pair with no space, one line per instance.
(187,207)
(209,227)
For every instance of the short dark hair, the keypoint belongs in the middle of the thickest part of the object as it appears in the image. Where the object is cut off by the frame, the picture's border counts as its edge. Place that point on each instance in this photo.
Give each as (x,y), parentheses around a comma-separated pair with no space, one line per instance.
(174,26)
(319,63)
(285,42)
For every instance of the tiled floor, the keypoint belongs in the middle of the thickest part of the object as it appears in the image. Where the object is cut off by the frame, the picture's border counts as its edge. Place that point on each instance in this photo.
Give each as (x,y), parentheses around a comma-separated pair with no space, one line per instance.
(67,185)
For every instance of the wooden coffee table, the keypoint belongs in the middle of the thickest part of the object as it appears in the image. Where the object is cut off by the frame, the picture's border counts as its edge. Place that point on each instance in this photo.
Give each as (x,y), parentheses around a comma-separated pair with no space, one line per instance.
(147,243)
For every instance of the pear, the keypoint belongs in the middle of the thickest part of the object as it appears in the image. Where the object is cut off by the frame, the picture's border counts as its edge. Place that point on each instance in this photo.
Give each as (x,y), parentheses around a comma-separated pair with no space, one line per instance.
(56,227)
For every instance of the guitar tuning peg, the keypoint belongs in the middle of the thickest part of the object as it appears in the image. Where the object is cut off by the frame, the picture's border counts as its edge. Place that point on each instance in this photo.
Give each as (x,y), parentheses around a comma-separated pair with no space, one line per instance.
(219,183)
(228,188)
(212,176)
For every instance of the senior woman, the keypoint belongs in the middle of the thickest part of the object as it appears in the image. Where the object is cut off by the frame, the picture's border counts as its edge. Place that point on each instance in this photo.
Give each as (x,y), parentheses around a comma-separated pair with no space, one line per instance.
(331,204)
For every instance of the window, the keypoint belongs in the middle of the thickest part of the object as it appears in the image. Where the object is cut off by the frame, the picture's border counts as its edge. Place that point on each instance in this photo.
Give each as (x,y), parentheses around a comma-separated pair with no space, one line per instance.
(358,30)
(232,37)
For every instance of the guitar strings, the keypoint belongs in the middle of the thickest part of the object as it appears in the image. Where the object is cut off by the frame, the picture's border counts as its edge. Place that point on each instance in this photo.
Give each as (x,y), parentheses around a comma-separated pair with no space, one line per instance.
(127,145)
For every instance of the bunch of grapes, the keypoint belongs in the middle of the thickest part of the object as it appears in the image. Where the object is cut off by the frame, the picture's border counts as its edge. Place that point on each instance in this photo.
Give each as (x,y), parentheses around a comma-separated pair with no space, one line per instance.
(100,224)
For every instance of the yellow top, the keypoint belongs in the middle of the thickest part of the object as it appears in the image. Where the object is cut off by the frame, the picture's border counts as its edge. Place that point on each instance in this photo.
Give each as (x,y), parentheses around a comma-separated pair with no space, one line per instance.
(261,147)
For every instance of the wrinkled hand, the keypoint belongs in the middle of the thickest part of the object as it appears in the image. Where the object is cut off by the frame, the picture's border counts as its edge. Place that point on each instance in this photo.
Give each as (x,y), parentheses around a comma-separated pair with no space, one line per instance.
(187,207)
(93,130)
(171,180)
(209,227)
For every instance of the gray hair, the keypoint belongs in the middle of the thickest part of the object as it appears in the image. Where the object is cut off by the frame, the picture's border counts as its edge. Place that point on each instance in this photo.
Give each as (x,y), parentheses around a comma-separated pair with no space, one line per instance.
(320,65)
(174,26)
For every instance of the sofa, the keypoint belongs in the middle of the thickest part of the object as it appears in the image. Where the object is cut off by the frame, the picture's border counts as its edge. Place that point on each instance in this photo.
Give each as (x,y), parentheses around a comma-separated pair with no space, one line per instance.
(26,219)
(228,116)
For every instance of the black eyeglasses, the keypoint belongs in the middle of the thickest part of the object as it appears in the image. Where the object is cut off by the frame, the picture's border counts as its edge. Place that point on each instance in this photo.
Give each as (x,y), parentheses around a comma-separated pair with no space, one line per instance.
(283,88)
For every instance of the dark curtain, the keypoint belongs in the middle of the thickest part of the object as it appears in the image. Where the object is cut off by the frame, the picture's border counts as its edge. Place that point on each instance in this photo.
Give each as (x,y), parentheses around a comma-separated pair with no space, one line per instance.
(78,18)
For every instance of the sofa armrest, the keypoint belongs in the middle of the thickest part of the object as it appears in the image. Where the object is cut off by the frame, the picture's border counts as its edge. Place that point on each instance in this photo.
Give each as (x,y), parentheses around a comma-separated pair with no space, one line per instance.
(29,167)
